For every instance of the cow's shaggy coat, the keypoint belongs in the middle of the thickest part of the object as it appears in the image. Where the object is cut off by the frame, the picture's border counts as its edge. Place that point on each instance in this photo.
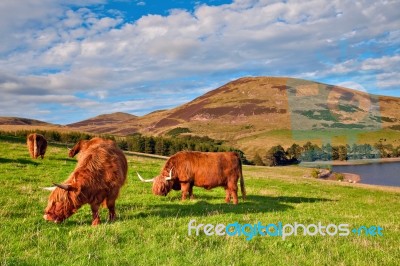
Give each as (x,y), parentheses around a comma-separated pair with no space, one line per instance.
(37,145)
(98,176)
(186,169)
(82,145)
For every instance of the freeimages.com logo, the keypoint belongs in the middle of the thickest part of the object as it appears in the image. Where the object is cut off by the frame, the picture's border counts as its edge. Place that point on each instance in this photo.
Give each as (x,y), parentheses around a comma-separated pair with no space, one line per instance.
(280,230)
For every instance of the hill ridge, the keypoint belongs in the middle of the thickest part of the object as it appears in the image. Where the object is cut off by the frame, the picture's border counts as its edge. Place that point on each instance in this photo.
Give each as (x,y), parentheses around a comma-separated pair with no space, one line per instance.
(251,112)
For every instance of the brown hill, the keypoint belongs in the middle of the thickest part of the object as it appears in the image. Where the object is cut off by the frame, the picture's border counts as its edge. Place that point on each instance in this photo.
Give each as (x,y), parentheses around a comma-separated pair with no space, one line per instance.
(22,121)
(256,113)
(273,103)
(106,123)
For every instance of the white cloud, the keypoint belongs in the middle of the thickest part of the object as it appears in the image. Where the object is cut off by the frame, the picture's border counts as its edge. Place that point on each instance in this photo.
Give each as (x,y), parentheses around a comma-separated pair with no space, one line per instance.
(389,80)
(55,50)
(383,63)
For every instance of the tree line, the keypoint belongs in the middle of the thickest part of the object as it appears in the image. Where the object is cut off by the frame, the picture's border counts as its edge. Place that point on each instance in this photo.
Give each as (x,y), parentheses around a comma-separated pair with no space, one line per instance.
(166,146)
(310,152)
(50,135)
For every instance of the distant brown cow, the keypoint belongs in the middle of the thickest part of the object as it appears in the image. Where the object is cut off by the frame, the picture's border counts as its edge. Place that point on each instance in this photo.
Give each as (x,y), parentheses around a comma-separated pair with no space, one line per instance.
(82,145)
(37,145)
(186,169)
(98,176)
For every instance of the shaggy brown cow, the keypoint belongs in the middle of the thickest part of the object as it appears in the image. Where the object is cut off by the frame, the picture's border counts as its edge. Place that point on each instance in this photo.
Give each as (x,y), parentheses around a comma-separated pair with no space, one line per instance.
(82,145)
(37,145)
(98,176)
(186,169)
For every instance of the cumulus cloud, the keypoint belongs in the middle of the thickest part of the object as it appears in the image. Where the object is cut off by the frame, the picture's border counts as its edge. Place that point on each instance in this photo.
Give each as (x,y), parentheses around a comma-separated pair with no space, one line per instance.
(53,49)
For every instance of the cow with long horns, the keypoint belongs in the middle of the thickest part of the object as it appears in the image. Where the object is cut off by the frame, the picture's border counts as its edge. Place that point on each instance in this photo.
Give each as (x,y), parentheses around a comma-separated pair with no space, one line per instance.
(186,169)
(98,176)
(37,145)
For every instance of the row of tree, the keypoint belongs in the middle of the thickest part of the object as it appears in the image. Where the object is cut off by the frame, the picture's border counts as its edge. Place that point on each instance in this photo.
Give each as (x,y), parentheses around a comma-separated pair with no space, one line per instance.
(276,155)
(166,146)
(50,135)
(310,152)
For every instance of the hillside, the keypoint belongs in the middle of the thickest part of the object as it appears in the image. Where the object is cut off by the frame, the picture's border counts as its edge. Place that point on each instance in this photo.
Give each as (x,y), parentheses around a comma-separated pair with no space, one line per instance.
(105,123)
(256,113)
(22,121)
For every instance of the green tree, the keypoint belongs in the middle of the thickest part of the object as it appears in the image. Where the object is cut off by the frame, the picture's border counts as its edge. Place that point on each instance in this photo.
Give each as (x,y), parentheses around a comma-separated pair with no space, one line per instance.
(342,153)
(149,145)
(257,160)
(275,156)
(136,143)
(123,145)
(294,151)
(311,152)
(326,152)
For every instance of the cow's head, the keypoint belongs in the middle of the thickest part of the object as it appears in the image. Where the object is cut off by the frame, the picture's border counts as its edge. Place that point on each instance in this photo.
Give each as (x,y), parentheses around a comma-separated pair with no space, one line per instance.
(73,151)
(62,203)
(76,149)
(162,184)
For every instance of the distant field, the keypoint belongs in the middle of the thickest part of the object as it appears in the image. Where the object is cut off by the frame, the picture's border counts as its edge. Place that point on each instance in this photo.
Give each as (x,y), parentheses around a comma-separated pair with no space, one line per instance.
(152,230)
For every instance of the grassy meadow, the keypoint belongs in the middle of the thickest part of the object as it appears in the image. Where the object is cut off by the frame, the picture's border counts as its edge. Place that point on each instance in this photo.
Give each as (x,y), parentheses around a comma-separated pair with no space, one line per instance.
(153,230)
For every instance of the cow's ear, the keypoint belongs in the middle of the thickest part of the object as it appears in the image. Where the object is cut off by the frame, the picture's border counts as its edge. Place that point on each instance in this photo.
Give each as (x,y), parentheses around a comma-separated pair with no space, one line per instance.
(66,187)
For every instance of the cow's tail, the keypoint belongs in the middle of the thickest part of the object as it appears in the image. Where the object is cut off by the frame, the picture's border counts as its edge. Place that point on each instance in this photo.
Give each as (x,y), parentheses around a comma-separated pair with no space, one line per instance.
(242,187)
(35,148)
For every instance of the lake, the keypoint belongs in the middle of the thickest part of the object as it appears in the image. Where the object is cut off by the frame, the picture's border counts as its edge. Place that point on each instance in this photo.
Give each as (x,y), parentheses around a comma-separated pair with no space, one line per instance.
(384,174)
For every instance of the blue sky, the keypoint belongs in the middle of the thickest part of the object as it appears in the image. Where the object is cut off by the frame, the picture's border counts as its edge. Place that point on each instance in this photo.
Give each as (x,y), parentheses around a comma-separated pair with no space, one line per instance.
(63,63)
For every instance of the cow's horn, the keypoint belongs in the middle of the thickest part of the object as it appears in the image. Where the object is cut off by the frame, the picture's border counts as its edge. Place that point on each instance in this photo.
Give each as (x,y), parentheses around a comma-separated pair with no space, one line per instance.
(69,148)
(63,186)
(49,188)
(144,180)
(170,175)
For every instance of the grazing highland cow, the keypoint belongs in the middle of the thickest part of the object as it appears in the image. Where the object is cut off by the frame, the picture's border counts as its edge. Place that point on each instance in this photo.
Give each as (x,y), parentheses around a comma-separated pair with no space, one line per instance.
(186,169)
(82,145)
(37,145)
(98,176)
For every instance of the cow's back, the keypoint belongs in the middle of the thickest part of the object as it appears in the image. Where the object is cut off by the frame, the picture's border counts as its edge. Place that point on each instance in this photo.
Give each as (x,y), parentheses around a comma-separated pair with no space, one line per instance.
(106,166)
(37,145)
(208,169)
(41,143)
(81,146)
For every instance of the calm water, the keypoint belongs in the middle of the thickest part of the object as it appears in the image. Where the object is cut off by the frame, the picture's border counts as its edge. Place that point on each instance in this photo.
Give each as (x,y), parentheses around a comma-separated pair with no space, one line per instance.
(385,174)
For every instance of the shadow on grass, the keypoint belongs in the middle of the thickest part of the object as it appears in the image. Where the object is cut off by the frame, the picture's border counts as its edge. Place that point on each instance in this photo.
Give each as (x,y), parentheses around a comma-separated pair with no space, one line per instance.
(202,206)
(21,161)
(172,207)
(66,159)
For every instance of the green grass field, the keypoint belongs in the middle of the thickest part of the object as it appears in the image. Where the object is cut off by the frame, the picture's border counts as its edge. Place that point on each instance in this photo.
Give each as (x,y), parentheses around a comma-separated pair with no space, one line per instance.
(152,230)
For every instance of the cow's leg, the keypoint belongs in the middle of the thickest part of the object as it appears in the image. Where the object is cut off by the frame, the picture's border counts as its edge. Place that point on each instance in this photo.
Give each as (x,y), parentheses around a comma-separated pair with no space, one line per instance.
(234,195)
(232,188)
(191,192)
(111,209)
(233,191)
(95,213)
(228,195)
(185,187)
